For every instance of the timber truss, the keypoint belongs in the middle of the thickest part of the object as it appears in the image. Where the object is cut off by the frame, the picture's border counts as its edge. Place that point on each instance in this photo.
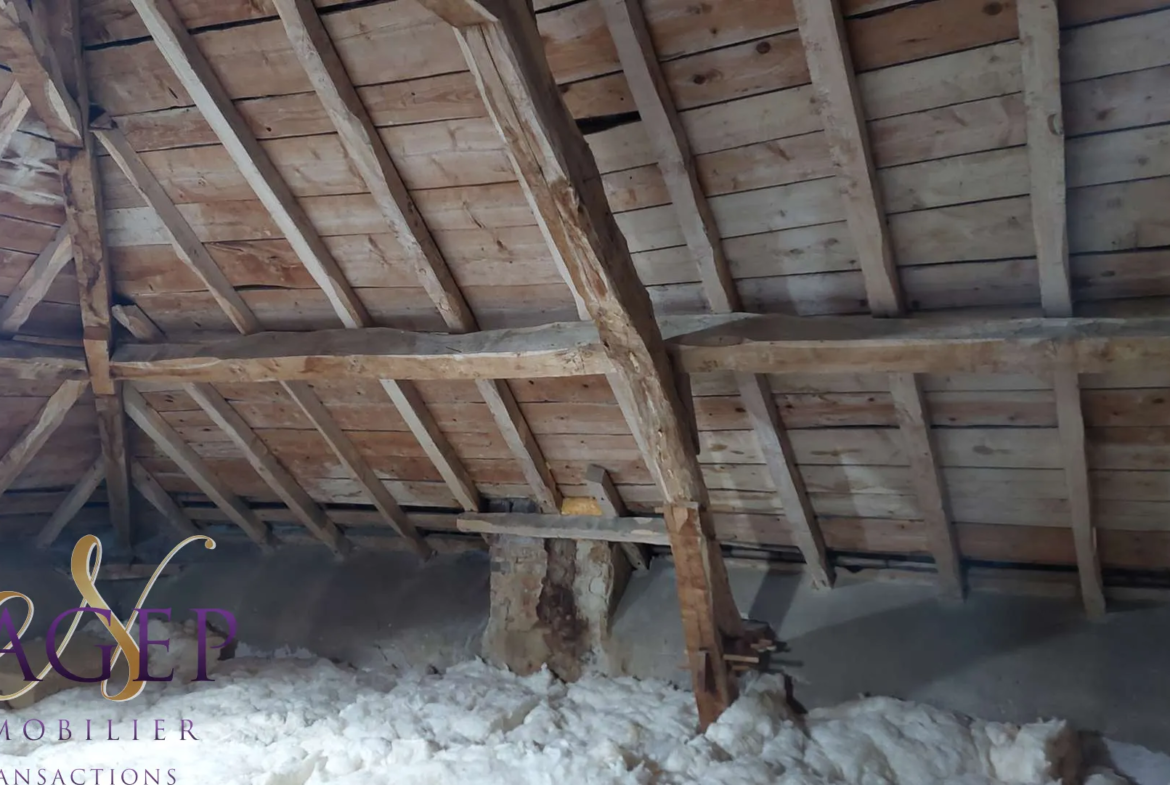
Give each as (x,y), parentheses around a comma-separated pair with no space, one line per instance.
(646,361)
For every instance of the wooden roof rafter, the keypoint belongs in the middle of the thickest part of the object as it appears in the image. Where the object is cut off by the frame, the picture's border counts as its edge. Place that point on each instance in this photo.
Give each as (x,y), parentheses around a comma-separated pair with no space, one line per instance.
(830,64)
(37,432)
(631,35)
(365,148)
(559,176)
(14,107)
(367,152)
(1040,56)
(35,283)
(194,254)
(43,48)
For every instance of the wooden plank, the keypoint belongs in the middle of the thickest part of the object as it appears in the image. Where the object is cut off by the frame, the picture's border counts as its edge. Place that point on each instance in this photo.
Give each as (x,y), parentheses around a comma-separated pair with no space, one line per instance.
(521,441)
(34,436)
(268,467)
(154,493)
(27,50)
(780,458)
(72,503)
(25,362)
(13,109)
(831,66)
(610,502)
(652,96)
(83,208)
(35,283)
(367,153)
(632,529)
(314,49)
(111,422)
(914,421)
(1039,50)
(703,343)
(1072,438)
(352,459)
(201,82)
(81,189)
(135,320)
(169,441)
(431,438)
(1012,345)
(182,237)
(563,187)
(631,36)
(388,354)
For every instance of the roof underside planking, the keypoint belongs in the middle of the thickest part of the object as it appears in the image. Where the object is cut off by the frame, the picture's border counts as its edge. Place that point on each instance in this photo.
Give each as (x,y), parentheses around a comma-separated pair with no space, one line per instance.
(941,87)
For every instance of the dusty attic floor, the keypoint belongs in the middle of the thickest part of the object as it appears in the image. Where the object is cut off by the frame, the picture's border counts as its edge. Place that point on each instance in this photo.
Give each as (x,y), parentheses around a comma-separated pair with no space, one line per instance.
(996,657)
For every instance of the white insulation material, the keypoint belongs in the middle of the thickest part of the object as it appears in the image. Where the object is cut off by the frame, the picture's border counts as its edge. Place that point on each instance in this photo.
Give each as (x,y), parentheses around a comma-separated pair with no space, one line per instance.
(304,721)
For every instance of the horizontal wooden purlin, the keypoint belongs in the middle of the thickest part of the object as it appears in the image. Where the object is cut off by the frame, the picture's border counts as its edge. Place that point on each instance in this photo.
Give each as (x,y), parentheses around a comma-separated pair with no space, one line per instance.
(565,349)
(646,530)
(31,362)
(729,342)
(787,344)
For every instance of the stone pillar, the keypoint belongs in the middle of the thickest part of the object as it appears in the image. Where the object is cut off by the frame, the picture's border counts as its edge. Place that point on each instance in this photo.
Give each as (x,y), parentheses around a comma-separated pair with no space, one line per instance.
(551,602)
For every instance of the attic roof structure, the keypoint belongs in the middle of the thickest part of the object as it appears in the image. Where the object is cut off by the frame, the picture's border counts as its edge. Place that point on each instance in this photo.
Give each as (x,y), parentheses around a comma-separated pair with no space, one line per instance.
(829,278)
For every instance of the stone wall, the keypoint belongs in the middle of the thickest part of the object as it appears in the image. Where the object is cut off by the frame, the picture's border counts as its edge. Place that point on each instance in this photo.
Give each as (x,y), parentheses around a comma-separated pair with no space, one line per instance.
(551,603)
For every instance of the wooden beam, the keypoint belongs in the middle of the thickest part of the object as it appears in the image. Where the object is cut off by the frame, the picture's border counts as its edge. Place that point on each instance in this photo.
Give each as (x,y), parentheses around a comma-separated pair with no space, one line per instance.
(191,250)
(434,442)
(137,323)
(112,430)
(201,83)
(1044,120)
(34,436)
(561,182)
(154,493)
(72,503)
(626,529)
(609,501)
(822,31)
(277,477)
(370,159)
(78,170)
(29,362)
(353,461)
(668,139)
(13,109)
(77,166)
(1071,424)
(189,462)
(747,343)
(1040,57)
(26,49)
(183,239)
(914,422)
(209,96)
(781,344)
(35,283)
(521,442)
(830,65)
(776,447)
(375,353)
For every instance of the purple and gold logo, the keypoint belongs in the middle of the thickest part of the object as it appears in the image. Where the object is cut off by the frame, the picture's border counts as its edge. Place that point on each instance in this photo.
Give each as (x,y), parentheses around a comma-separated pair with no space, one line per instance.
(135,647)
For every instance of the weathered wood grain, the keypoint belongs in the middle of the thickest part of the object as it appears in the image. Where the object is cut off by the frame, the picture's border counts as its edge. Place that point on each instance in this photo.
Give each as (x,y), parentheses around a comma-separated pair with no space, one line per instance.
(35,283)
(38,431)
(192,465)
